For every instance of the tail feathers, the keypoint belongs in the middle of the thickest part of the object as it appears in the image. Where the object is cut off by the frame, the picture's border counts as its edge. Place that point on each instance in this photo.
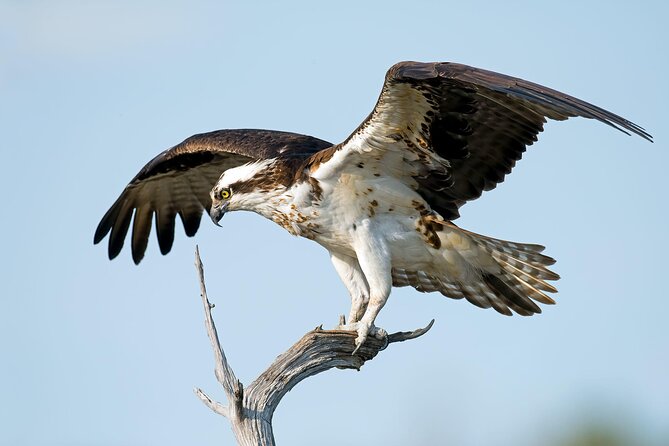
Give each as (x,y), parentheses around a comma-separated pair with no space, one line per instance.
(513,285)
(504,245)
(535,270)
(491,291)
(524,274)
(516,251)
(421,281)
(511,294)
(528,279)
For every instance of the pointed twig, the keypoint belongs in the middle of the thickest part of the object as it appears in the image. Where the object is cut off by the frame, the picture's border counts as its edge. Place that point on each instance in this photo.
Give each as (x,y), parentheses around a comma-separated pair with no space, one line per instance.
(224,374)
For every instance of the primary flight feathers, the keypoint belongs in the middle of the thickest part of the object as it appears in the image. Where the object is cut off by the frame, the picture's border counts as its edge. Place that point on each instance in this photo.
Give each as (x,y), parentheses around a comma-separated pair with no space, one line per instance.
(179,180)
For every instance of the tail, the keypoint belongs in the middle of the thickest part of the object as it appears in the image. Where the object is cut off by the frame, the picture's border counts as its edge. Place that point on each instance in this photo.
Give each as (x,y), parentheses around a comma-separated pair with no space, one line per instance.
(507,276)
(523,276)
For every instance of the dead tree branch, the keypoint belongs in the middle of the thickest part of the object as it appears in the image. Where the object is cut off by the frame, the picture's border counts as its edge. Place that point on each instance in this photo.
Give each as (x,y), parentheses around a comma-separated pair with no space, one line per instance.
(250,410)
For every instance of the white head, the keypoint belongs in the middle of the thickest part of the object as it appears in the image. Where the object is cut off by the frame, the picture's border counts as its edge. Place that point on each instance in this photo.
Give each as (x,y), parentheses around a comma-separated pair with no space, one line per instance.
(246,188)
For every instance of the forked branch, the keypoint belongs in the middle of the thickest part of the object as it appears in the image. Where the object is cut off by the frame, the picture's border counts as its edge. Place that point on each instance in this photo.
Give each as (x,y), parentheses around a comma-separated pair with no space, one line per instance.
(250,410)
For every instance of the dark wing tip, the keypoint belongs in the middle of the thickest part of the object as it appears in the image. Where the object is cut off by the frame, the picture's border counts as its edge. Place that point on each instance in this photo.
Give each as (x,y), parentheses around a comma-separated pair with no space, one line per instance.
(141,230)
(117,221)
(137,257)
(119,231)
(114,248)
(562,104)
(191,221)
(165,220)
(106,223)
(116,224)
(100,232)
(632,127)
(558,105)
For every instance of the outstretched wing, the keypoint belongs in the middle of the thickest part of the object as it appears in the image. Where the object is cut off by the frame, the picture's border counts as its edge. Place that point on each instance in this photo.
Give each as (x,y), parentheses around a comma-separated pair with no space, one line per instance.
(452,131)
(178,181)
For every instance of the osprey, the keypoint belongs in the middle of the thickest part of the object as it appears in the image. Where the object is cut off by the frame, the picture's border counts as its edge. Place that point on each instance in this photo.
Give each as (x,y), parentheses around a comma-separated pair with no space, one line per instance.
(383,201)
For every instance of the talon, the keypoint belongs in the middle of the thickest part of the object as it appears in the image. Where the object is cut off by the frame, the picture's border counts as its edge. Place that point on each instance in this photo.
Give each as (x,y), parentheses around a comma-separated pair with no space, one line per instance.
(363,332)
(359,341)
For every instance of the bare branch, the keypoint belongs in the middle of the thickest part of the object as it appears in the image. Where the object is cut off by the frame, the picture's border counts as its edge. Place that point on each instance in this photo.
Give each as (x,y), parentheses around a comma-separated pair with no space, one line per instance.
(224,373)
(250,412)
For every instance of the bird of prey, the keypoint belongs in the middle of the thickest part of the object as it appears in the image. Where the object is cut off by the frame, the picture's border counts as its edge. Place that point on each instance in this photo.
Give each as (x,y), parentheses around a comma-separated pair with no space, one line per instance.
(383,201)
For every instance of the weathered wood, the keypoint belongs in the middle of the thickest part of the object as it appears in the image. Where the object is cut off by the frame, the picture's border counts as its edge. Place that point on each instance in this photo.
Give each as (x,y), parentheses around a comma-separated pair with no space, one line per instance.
(250,410)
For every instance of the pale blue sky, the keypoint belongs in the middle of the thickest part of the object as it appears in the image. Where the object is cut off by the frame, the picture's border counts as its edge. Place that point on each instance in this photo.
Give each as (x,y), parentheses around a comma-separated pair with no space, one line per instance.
(94,352)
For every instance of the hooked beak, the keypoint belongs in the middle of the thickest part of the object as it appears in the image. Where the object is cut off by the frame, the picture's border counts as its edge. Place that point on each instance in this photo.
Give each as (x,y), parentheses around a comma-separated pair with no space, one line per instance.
(217,212)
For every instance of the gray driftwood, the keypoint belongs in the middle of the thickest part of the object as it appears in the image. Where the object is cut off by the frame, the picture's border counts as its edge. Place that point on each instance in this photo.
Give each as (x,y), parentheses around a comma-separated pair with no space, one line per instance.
(250,409)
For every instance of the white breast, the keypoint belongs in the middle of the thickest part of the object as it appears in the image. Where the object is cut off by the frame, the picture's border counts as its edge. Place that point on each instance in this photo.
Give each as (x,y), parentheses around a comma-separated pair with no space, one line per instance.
(352,200)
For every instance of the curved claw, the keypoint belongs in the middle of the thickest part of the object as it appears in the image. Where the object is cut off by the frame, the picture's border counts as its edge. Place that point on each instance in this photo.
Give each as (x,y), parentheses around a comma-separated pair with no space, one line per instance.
(365,330)
(358,345)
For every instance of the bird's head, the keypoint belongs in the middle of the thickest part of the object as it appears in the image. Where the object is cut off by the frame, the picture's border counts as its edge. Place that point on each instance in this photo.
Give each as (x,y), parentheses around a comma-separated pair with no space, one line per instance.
(244,188)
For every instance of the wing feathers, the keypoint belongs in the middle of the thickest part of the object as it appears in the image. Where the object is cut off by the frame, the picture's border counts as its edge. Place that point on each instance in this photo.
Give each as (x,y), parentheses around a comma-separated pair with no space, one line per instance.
(141,228)
(178,181)
(551,103)
(165,228)
(191,220)
(460,129)
(119,228)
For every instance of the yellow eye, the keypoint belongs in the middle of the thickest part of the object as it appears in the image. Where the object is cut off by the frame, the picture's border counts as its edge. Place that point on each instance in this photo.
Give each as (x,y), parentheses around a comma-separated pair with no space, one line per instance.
(225,193)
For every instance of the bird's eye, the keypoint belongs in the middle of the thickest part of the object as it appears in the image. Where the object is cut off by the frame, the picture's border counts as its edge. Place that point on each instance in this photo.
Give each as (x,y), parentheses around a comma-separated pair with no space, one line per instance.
(225,193)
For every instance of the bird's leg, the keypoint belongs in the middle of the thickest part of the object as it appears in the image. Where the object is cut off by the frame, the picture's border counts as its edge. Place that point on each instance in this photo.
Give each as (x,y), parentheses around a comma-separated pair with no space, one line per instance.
(359,302)
(350,273)
(358,307)
(374,260)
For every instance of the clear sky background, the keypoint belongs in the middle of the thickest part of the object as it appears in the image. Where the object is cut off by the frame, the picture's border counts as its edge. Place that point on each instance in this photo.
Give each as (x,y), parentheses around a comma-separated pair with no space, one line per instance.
(94,352)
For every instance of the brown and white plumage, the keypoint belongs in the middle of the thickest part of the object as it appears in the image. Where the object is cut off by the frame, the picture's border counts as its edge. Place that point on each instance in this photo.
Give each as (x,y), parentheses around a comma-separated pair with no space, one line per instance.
(382,201)
(461,129)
